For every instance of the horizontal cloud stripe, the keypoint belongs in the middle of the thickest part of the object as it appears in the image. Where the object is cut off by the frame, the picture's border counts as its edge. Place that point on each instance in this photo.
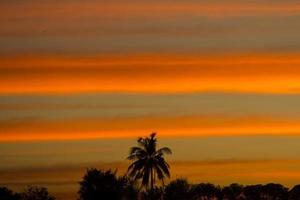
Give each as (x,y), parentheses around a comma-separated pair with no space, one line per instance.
(186,126)
(133,8)
(138,105)
(16,155)
(266,73)
(135,44)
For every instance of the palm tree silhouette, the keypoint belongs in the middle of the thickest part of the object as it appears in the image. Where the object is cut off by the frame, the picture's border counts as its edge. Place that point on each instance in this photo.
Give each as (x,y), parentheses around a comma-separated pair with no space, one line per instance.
(148,163)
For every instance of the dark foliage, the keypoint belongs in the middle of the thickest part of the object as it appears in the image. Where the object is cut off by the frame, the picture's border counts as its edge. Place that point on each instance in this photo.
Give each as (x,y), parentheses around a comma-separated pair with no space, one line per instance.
(156,193)
(7,194)
(178,190)
(232,192)
(36,193)
(294,193)
(273,191)
(205,191)
(148,163)
(252,192)
(129,189)
(105,185)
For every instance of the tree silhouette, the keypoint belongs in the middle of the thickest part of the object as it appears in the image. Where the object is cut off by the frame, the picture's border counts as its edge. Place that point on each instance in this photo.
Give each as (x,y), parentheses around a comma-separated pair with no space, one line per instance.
(148,163)
(178,190)
(205,191)
(232,192)
(98,185)
(156,193)
(129,189)
(294,193)
(7,194)
(252,192)
(36,193)
(274,191)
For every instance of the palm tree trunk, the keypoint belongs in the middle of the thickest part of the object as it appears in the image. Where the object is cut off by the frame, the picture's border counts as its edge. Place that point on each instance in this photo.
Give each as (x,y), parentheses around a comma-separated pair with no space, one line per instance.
(152,185)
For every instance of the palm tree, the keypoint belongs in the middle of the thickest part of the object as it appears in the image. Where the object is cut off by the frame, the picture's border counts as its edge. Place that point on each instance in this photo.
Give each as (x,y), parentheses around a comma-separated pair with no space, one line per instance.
(148,163)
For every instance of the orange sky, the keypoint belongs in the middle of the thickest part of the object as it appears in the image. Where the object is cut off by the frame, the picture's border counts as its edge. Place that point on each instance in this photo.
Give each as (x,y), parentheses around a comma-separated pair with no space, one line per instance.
(187,126)
(218,81)
(73,49)
(130,9)
(262,73)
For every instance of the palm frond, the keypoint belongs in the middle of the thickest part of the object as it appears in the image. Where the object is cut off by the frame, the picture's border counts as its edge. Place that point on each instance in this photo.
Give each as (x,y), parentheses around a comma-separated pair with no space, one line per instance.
(164,150)
(145,177)
(159,172)
(134,150)
(164,166)
(146,159)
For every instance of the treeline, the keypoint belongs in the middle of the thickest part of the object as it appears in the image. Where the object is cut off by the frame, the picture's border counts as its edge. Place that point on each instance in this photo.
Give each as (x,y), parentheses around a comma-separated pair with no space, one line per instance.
(30,193)
(106,185)
(147,167)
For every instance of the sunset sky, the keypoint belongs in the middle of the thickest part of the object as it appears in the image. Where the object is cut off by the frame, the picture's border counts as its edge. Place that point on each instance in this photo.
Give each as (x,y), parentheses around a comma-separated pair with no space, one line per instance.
(81,80)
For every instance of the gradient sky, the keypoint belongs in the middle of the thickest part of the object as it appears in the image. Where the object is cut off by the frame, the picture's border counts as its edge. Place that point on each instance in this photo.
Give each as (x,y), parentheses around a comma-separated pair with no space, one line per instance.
(218,81)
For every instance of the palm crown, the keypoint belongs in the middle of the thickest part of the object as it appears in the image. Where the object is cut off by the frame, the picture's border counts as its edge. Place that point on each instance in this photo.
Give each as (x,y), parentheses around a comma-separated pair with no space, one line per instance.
(148,163)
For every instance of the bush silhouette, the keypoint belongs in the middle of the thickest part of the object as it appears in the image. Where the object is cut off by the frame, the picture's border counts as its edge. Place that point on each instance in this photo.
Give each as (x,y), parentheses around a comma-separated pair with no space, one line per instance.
(273,191)
(156,193)
(36,193)
(252,192)
(232,192)
(105,185)
(129,189)
(294,193)
(205,191)
(178,190)
(7,194)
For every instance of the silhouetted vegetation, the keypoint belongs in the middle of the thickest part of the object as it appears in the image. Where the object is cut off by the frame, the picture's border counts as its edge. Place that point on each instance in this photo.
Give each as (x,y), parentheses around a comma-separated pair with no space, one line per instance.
(36,193)
(30,193)
(98,184)
(232,192)
(206,191)
(148,165)
(294,193)
(107,186)
(155,193)
(177,190)
(7,194)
